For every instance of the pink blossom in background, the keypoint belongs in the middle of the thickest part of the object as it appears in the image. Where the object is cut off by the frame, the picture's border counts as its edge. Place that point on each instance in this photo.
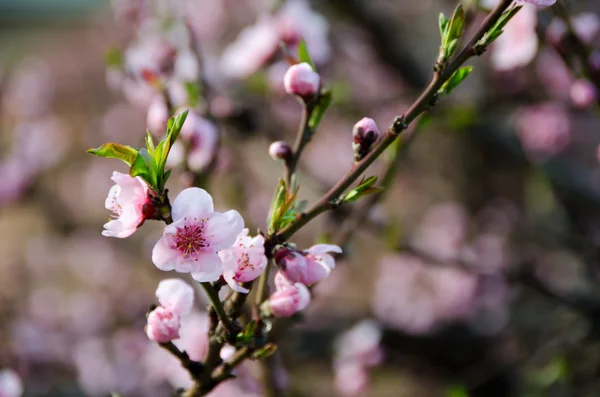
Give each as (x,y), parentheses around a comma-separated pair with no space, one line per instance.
(191,242)
(29,91)
(586,27)
(194,335)
(296,21)
(253,47)
(150,58)
(275,75)
(360,344)
(555,77)
(95,373)
(126,200)
(416,297)
(157,117)
(351,379)
(301,80)
(202,137)
(544,130)
(442,232)
(487,253)
(32,140)
(288,298)
(542,3)
(10,384)
(583,93)
(518,45)
(244,261)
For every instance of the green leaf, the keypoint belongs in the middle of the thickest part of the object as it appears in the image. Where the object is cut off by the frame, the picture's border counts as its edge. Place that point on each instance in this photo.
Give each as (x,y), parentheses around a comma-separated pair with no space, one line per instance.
(304,55)
(193,92)
(364,188)
(456,391)
(443,22)
(246,336)
(497,30)
(455,28)
(320,109)
(278,201)
(174,128)
(114,58)
(116,151)
(145,167)
(149,142)
(458,77)
(448,51)
(265,351)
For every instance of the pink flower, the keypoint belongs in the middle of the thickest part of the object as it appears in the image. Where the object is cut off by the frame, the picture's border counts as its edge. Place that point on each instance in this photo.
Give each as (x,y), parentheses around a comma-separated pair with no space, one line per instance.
(157,116)
(129,201)
(163,325)
(518,44)
(288,298)
(307,267)
(301,80)
(151,58)
(191,242)
(10,384)
(351,379)
(176,298)
(586,27)
(360,344)
(364,134)
(244,261)
(583,93)
(176,295)
(544,130)
(202,137)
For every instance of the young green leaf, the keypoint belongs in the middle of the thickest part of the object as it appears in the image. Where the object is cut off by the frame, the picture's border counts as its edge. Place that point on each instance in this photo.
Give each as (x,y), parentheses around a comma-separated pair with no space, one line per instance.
(114,58)
(265,351)
(364,188)
(455,28)
(304,55)
(116,151)
(278,201)
(320,109)
(458,77)
(443,22)
(149,142)
(247,334)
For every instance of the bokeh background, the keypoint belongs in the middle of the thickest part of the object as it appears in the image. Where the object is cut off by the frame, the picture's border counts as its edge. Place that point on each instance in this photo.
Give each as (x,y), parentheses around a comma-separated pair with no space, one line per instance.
(481,265)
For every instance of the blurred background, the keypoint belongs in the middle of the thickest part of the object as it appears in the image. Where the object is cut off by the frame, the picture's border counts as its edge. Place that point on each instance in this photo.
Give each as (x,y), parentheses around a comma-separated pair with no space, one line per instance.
(478,271)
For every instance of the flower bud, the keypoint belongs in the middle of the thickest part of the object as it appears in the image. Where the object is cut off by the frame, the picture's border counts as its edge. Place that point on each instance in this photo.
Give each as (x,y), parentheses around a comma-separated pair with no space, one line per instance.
(291,264)
(301,80)
(583,93)
(288,300)
(364,135)
(163,325)
(280,150)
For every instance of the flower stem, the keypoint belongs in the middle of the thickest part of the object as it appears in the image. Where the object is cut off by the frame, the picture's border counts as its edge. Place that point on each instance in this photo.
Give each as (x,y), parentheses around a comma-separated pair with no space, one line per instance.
(427,99)
(304,135)
(216,302)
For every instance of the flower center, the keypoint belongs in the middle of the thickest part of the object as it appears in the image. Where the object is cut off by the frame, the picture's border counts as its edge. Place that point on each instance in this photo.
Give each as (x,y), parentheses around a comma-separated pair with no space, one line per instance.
(190,239)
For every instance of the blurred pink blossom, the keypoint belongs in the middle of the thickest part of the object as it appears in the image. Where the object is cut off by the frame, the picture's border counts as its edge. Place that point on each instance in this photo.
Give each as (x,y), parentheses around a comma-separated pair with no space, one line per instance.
(10,384)
(417,297)
(583,93)
(586,27)
(351,379)
(443,231)
(244,261)
(30,90)
(202,137)
(544,130)
(518,44)
(191,242)
(157,117)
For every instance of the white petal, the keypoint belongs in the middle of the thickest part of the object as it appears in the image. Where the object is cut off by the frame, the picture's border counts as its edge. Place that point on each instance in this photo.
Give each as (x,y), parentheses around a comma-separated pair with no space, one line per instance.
(115,228)
(324,248)
(228,276)
(222,229)
(192,202)
(163,256)
(207,267)
(176,295)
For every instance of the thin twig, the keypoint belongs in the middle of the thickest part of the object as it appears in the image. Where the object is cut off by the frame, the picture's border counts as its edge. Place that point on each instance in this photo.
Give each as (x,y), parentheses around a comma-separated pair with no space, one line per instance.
(218,306)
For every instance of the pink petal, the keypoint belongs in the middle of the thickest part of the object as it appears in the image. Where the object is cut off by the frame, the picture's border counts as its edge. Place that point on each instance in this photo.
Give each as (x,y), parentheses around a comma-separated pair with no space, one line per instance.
(176,295)
(116,228)
(192,202)
(315,271)
(223,229)
(228,276)
(163,256)
(324,248)
(207,267)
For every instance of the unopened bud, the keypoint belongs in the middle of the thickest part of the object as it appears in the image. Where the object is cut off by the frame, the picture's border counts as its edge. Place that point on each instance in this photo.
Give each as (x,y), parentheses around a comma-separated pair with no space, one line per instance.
(364,135)
(288,299)
(280,150)
(163,325)
(583,93)
(301,80)
(291,264)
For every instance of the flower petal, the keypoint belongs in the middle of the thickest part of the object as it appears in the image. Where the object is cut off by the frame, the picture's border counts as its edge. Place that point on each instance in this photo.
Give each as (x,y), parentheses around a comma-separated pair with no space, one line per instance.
(207,267)
(223,229)
(116,228)
(163,256)
(228,276)
(176,295)
(324,248)
(192,202)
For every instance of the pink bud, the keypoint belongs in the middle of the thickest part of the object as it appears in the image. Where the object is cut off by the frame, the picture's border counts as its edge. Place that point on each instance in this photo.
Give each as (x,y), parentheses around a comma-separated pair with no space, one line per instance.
(291,264)
(301,80)
(163,325)
(288,299)
(364,134)
(280,150)
(307,267)
(583,93)
(10,384)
